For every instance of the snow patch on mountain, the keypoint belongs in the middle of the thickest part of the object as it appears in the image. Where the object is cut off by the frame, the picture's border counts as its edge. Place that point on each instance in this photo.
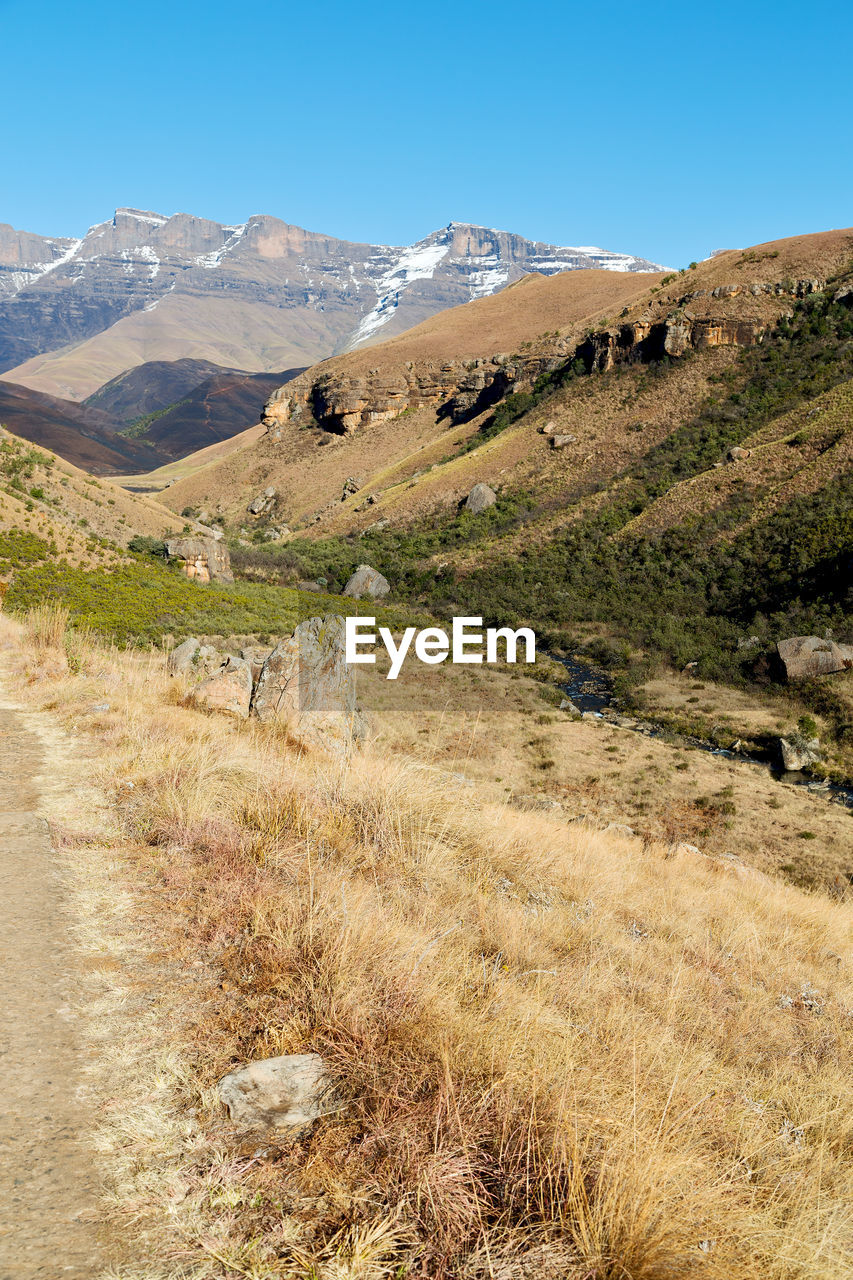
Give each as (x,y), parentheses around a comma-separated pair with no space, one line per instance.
(42,268)
(211,260)
(492,274)
(417,262)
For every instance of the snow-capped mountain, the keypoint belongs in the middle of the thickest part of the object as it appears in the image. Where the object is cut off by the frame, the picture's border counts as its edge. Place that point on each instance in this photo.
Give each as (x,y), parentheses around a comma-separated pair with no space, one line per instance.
(258,296)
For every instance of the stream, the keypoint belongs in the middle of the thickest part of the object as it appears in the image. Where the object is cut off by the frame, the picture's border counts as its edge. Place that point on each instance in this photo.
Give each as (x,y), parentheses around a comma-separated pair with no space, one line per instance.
(590,692)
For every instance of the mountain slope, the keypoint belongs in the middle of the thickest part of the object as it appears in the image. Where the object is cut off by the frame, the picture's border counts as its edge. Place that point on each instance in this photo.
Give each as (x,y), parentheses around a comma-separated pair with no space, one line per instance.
(88,521)
(395,416)
(84,436)
(263,295)
(308,478)
(150,387)
(221,407)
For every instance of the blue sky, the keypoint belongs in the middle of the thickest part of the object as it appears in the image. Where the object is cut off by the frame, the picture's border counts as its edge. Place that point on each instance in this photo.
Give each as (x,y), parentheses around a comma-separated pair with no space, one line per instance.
(665,130)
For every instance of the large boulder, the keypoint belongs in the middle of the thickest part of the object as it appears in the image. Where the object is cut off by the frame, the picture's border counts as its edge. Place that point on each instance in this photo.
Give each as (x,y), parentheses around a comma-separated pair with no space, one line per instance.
(804,656)
(367,582)
(203,559)
(193,660)
(798,752)
(306,685)
(228,690)
(288,1092)
(481,497)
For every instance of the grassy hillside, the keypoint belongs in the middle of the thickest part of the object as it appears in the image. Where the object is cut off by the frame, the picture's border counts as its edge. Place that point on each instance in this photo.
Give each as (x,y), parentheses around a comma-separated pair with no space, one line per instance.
(663,548)
(86,520)
(562,1052)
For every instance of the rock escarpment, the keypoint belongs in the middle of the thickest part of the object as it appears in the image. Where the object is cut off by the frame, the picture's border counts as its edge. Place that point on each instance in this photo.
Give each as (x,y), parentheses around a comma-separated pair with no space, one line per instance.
(341,401)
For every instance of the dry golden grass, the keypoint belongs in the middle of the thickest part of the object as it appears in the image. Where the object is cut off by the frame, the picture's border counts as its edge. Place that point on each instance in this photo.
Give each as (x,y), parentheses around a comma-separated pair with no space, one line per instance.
(564,1052)
(46,626)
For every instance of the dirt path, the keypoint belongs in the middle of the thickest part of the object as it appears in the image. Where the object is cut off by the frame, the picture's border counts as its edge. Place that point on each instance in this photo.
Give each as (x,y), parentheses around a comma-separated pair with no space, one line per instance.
(48,1182)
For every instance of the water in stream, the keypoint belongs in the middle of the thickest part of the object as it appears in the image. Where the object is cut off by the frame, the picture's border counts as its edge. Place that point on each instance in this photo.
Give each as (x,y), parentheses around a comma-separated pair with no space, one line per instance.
(590,691)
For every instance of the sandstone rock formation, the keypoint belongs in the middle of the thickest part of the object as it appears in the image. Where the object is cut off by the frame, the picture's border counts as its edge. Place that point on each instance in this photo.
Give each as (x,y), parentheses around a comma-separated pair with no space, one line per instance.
(804,656)
(228,690)
(343,401)
(306,686)
(481,497)
(203,559)
(287,1092)
(367,582)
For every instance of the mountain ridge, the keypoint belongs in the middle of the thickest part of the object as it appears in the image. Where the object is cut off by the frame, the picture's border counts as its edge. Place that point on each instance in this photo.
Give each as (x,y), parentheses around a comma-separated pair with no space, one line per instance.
(260,295)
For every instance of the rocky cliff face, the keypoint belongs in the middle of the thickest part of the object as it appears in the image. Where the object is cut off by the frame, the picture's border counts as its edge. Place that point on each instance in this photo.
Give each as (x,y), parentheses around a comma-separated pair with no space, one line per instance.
(342,402)
(58,292)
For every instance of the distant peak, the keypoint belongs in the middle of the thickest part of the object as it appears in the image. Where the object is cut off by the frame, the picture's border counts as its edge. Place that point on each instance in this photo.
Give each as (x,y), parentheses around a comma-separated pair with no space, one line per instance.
(142,215)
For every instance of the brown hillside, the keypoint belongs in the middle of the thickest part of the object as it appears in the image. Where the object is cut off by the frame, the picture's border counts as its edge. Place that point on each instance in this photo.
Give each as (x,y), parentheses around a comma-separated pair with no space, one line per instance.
(402,450)
(85,436)
(534,306)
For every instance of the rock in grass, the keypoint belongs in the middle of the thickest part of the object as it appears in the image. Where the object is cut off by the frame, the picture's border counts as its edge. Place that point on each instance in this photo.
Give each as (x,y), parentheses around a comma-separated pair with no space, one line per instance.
(263,502)
(367,582)
(228,690)
(202,559)
(193,660)
(288,1092)
(481,497)
(307,686)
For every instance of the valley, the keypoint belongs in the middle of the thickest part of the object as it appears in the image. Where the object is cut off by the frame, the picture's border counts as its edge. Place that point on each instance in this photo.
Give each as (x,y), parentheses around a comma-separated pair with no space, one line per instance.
(485,881)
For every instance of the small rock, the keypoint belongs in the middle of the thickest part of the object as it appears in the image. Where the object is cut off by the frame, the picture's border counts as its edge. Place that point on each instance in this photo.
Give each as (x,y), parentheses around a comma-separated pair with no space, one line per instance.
(547,429)
(481,497)
(228,690)
(263,502)
(367,582)
(288,1092)
(568,705)
(621,829)
(736,454)
(100,706)
(560,442)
